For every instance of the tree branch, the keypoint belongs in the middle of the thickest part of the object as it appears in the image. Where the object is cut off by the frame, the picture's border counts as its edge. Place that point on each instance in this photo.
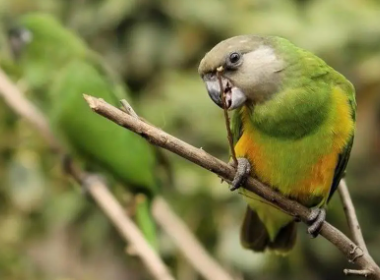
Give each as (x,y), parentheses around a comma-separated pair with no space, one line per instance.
(15,100)
(180,234)
(176,229)
(198,156)
(353,272)
(352,219)
(99,192)
(226,118)
(184,239)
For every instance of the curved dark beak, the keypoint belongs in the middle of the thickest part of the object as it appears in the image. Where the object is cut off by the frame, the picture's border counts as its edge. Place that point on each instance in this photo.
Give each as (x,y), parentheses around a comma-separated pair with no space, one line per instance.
(234,96)
(213,88)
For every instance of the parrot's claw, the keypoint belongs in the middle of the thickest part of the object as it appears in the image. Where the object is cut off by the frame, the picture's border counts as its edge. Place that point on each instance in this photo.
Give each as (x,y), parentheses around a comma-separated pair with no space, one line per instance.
(243,170)
(316,218)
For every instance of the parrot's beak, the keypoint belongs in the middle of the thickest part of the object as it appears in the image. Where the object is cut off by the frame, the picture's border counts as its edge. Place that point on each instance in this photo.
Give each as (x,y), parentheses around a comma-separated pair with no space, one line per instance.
(235,98)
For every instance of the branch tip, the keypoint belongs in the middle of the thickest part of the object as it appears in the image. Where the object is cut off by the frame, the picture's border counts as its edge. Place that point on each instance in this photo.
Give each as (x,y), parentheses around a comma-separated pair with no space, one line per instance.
(358,272)
(91,101)
(128,108)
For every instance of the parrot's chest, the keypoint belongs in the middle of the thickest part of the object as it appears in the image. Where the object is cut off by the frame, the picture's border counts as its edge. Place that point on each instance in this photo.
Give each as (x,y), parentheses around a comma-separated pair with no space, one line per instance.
(299,168)
(296,168)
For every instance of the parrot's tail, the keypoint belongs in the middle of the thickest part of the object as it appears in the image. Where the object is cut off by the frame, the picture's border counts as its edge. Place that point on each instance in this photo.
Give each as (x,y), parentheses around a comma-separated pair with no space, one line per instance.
(144,219)
(254,235)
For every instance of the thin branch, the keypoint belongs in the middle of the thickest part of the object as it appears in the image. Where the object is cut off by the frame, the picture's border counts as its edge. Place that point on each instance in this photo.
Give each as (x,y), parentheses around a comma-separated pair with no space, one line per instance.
(198,156)
(180,234)
(128,108)
(227,119)
(355,272)
(130,231)
(15,100)
(352,219)
(178,231)
(99,192)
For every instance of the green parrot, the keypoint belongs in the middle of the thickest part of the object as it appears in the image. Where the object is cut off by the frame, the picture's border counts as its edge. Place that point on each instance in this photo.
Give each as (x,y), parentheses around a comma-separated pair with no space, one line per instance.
(292,125)
(58,68)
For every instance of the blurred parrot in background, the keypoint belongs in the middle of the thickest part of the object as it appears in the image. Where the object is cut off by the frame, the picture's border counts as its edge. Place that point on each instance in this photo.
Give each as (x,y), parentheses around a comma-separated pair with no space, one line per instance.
(58,68)
(293,129)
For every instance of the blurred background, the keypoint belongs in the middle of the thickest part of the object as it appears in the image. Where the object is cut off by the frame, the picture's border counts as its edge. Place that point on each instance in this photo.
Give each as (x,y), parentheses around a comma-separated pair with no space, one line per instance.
(48,230)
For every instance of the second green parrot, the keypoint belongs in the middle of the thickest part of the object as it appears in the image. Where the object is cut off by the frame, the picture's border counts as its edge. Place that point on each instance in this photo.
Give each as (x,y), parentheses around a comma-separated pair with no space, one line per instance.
(293,129)
(58,67)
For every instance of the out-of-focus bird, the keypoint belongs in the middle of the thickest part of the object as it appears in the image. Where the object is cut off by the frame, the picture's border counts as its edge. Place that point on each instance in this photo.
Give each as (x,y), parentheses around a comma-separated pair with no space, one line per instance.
(59,67)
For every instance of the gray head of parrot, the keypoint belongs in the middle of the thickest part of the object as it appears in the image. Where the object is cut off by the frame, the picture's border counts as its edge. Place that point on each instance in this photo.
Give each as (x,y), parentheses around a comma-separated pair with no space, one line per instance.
(246,66)
(18,37)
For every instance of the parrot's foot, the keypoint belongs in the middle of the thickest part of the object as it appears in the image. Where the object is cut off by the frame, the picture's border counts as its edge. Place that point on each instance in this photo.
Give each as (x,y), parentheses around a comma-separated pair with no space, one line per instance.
(243,170)
(90,180)
(316,218)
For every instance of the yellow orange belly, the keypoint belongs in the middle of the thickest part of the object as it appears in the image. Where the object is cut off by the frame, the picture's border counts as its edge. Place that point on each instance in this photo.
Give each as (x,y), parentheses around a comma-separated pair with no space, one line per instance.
(302,169)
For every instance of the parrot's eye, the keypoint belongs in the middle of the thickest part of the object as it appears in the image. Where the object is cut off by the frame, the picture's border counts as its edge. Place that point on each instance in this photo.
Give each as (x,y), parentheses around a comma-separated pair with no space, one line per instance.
(22,34)
(18,38)
(233,60)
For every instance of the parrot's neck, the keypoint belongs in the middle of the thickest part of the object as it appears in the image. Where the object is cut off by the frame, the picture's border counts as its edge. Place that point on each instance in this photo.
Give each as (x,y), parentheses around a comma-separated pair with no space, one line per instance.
(291,114)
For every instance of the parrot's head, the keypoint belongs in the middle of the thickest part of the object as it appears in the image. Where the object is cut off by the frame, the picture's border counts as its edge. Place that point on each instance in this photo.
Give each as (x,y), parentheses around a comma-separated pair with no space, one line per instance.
(40,45)
(248,67)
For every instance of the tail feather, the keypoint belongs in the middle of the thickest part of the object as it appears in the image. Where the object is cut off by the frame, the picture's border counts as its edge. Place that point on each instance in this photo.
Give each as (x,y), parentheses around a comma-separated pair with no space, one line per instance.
(145,220)
(254,235)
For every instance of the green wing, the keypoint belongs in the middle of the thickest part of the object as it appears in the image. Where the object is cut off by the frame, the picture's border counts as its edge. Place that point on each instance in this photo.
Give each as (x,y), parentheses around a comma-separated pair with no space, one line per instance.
(345,155)
(122,153)
(103,144)
(341,167)
(109,74)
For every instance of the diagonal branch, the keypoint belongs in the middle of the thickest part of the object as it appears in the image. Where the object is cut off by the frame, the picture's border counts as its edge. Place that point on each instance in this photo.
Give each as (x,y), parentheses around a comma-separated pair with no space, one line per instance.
(198,156)
(186,242)
(15,100)
(190,247)
(180,234)
(99,192)
(226,118)
(352,219)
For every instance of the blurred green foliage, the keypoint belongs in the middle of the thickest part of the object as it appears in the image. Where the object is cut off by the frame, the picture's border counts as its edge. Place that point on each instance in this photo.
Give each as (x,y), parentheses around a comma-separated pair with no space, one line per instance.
(49,231)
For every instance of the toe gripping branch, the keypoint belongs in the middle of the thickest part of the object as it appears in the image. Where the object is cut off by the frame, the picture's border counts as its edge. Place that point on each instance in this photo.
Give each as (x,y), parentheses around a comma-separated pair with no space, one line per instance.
(315,220)
(317,215)
(243,170)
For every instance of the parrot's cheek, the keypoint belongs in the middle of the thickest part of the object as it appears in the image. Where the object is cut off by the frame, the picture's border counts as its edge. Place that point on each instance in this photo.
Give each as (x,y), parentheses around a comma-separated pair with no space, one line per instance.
(235,98)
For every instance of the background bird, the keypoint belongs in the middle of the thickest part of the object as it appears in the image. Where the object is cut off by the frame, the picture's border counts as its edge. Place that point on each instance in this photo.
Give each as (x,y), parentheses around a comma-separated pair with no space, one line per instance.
(58,67)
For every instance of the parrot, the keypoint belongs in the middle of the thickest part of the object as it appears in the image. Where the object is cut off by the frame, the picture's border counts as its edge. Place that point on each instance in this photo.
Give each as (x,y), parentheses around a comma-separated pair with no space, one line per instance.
(292,126)
(58,68)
